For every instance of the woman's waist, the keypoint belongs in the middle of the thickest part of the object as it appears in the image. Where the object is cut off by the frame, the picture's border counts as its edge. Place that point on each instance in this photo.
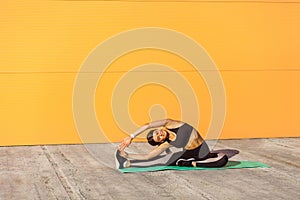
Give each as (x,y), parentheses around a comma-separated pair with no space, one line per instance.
(194,144)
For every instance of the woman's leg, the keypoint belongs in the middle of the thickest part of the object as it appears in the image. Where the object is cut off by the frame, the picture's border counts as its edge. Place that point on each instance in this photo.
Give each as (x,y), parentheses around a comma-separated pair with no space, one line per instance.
(204,158)
(203,151)
(219,160)
(166,160)
(200,157)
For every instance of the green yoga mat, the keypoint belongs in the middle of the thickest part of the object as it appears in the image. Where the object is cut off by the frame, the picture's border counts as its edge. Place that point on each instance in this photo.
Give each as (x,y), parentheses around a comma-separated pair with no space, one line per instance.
(229,165)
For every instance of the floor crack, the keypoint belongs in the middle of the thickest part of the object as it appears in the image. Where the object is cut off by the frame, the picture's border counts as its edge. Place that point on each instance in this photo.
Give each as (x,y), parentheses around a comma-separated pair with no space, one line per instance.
(60,175)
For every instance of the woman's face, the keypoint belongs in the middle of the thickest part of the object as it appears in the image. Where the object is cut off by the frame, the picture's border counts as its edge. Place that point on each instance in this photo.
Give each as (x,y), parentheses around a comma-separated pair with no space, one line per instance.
(159,135)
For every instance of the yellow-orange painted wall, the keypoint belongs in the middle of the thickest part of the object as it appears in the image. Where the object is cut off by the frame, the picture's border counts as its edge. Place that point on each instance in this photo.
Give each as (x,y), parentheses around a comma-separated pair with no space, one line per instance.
(255,45)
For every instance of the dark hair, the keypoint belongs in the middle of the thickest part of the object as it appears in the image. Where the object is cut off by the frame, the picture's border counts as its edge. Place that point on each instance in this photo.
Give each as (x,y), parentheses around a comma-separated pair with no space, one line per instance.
(150,139)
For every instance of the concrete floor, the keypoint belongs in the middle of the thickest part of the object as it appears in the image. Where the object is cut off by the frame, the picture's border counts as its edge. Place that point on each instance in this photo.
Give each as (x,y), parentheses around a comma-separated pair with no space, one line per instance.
(75,172)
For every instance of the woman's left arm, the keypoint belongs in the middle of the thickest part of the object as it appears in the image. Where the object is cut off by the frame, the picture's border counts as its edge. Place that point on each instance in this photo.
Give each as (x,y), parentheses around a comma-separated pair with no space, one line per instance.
(155,152)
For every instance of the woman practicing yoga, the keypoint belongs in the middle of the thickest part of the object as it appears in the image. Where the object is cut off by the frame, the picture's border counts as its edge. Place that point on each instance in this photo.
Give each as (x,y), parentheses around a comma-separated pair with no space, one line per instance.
(190,148)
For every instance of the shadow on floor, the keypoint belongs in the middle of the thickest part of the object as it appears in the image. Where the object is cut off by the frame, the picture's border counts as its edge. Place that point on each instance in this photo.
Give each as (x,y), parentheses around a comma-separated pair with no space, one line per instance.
(229,152)
(232,163)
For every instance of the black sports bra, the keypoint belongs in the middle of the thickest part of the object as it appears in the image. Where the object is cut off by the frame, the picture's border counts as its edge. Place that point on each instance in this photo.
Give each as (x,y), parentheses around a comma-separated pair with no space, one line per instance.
(183,134)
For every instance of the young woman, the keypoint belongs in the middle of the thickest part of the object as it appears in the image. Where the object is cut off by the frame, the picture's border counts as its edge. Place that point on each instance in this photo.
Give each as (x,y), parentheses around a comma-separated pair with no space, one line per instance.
(190,148)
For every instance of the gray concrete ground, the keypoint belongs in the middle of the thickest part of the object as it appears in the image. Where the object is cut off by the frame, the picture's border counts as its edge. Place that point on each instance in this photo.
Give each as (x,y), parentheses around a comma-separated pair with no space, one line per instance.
(72,172)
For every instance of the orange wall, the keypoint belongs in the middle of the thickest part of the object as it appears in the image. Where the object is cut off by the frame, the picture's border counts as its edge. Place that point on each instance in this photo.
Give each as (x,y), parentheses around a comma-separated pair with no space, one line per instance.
(255,45)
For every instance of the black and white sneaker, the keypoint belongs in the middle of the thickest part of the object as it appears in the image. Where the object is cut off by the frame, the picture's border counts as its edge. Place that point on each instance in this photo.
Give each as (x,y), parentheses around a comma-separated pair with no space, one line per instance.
(185,162)
(120,161)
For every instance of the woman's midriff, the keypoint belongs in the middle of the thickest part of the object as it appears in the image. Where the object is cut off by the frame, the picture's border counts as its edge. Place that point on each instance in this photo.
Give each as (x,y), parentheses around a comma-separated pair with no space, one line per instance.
(195,140)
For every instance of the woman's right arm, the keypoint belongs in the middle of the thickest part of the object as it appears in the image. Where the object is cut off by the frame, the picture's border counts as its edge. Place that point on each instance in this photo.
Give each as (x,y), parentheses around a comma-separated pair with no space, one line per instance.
(155,124)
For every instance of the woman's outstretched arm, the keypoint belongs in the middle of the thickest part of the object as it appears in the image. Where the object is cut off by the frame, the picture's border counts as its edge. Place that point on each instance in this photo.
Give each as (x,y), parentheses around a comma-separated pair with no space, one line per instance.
(155,152)
(155,124)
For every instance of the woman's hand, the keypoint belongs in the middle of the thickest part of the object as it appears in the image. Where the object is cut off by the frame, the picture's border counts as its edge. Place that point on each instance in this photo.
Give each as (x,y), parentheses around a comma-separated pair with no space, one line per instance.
(125,143)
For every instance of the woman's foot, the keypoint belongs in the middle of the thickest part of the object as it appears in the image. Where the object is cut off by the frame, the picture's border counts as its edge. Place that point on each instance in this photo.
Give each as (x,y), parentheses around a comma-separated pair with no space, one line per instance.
(120,161)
